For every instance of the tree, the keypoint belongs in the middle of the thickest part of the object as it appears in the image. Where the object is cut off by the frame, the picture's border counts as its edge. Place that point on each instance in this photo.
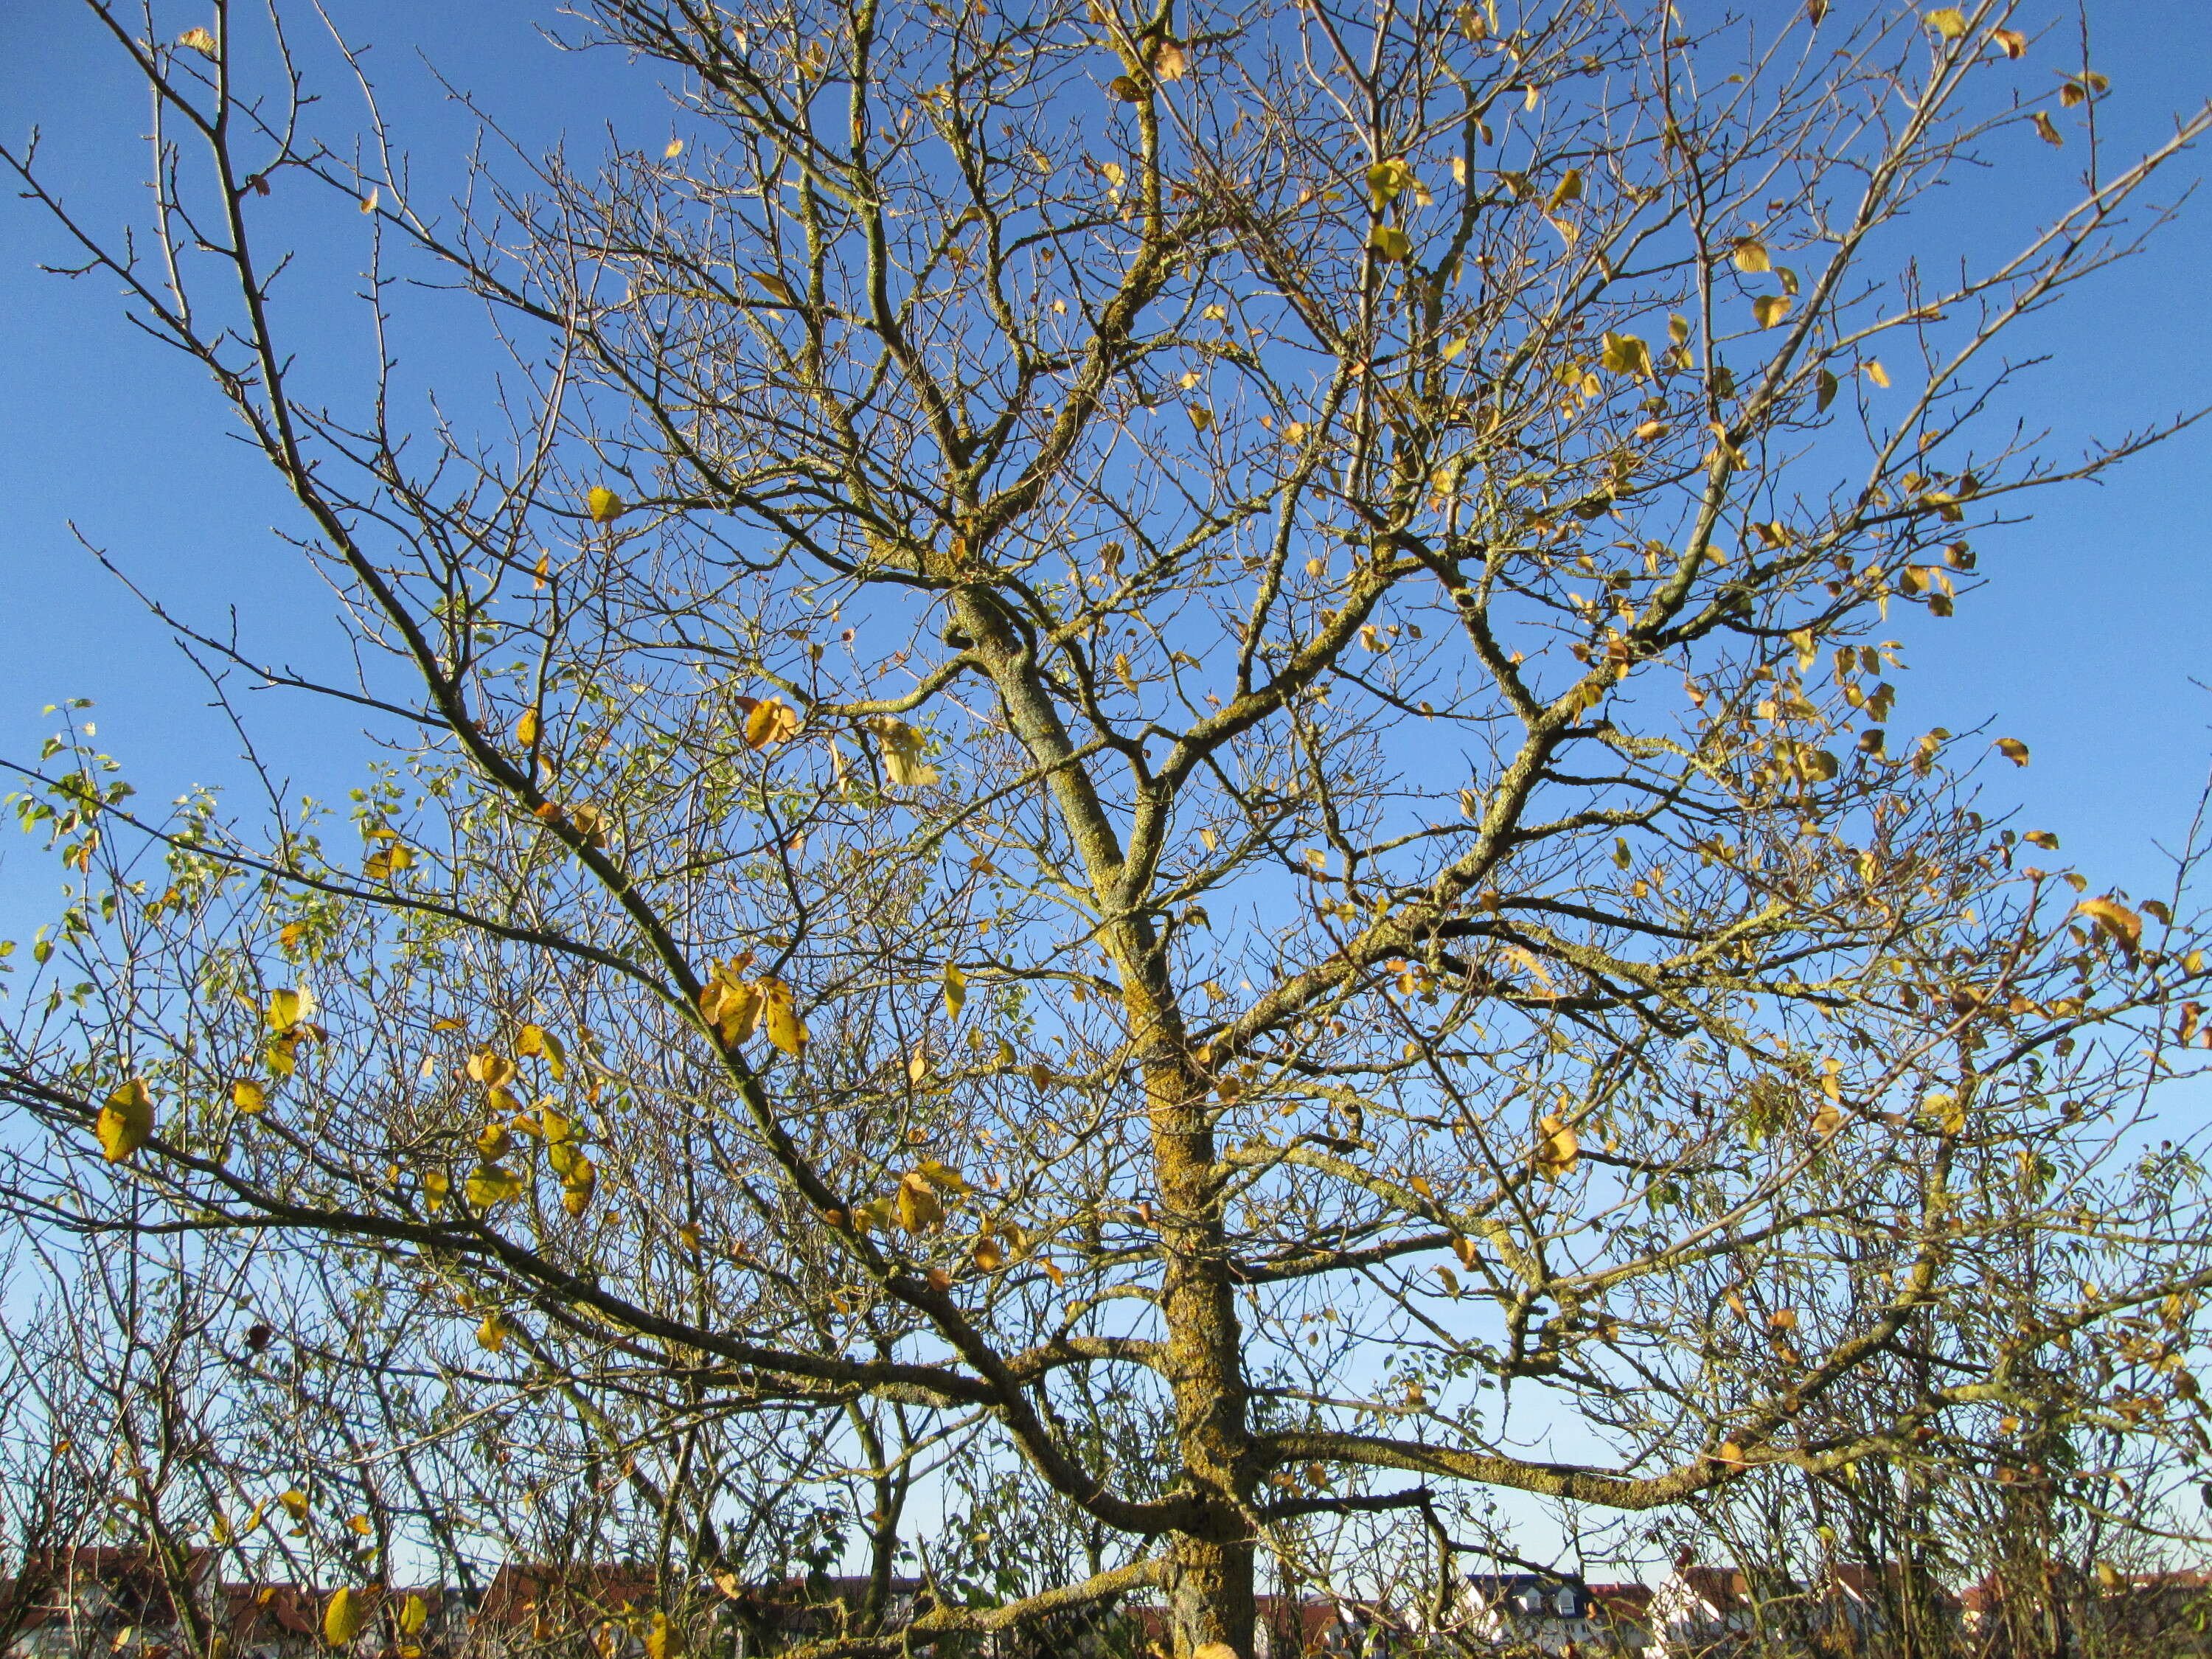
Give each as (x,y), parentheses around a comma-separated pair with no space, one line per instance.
(1149,705)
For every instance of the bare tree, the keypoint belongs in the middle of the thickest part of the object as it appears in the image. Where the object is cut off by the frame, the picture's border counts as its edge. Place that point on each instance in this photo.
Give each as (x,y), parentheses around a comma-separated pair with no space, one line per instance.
(1141,704)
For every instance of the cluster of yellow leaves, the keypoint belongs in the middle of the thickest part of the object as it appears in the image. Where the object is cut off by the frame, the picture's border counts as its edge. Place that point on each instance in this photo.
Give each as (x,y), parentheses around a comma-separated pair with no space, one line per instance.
(769,721)
(1557,1148)
(916,1205)
(902,758)
(736,1007)
(388,855)
(289,1024)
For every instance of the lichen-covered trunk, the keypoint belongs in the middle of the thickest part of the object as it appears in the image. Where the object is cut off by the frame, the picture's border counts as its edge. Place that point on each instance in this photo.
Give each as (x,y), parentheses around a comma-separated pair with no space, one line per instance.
(1210,1596)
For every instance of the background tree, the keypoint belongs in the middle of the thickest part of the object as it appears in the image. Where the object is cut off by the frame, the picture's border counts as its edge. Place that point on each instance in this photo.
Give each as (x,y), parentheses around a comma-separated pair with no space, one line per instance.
(1152,705)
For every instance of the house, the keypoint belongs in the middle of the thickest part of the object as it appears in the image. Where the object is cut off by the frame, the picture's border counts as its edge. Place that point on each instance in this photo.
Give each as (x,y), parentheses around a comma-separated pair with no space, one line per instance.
(1622,1616)
(1542,1611)
(1696,1611)
(76,1602)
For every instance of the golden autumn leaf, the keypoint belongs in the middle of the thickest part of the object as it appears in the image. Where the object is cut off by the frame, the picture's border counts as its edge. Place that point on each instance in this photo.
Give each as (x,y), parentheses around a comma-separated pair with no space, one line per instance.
(287,1008)
(1877,373)
(1625,354)
(361,1524)
(989,1254)
(414,1614)
(1170,61)
(492,1334)
(1947,21)
(2013,750)
(1569,189)
(1752,257)
(2114,918)
(577,1184)
(494,1142)
(662,1639)
(919,1208)
(775,287)
(772,721)
(1213,1650)
(2045,130)
(344,1617)
(2014,42)
(1769,308)
(603,505)
(126,1122)
(675,148)
(903,752)
(199,40)
(248,1096)
(956,989)
(525,729)
(1557,1152)
(781,1019)
(492,1184)
(491,1069)
(1390,242)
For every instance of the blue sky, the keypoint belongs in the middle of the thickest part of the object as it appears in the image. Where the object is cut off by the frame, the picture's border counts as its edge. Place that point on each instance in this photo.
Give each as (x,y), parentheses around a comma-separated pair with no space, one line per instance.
(2086,643)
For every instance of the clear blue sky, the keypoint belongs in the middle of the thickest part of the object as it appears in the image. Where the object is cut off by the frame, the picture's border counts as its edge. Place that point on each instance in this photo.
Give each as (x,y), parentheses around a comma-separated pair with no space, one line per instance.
(2085,643)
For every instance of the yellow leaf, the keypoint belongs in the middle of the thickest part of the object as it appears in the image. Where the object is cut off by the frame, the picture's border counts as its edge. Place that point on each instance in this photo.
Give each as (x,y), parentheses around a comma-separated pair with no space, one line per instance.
(603,505)
(2045,131)
(1624,354)
(344,1617)
(781,1019)
(361,1524)
(1453,347)
(248,1096)
(662,1639)
(492,1335)
(414,1613)
(1390,242)
(1200,417)
(2014,42)
(199,40)
(919,1208)
(2113,918)
(1770,309)
(1215,1651)
(956,989)
(1171,62)
(368,202)
(675,148)
(2042,838)
(492,1070)
(775,287)
(1751,257)
(525,729)
(1387,180)
(1560,1148)
(903,752)
(494,1142)
(2013,750)
(285,1010)
(1569,189)
(1124,89)
(1052,1271)
(772,721)
(990,1255)
(126,1122)
(577,1186)
(1877,373)
(1947,21)
(490,1185)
